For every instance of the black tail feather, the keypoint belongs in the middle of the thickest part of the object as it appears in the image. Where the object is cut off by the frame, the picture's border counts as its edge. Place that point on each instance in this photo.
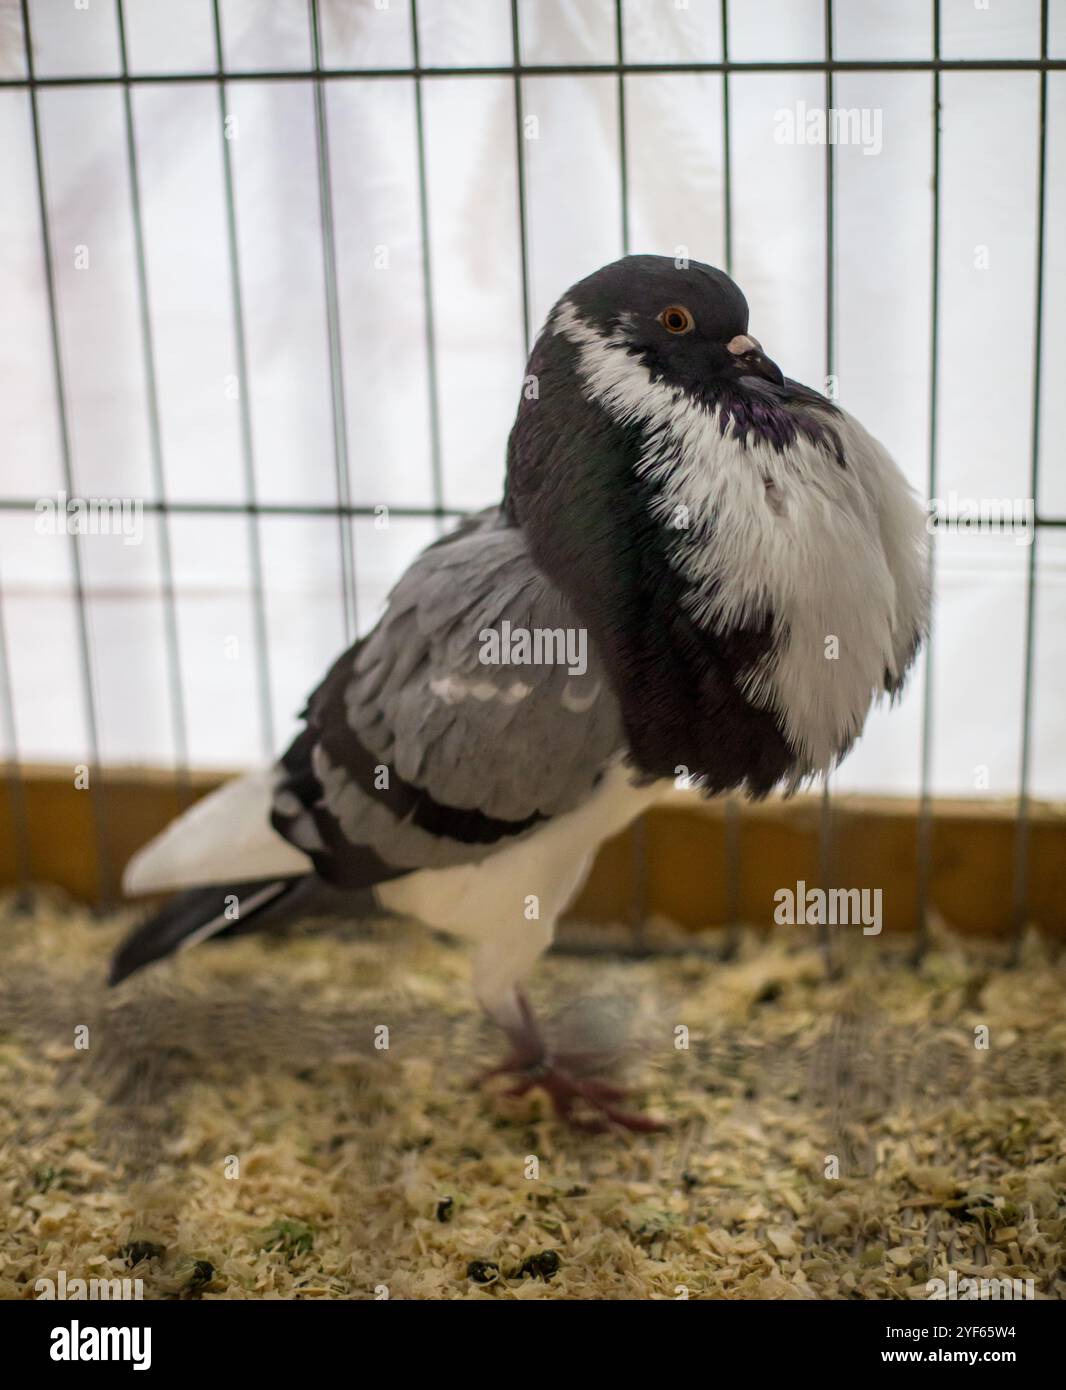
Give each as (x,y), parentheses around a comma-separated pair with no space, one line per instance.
(189,912)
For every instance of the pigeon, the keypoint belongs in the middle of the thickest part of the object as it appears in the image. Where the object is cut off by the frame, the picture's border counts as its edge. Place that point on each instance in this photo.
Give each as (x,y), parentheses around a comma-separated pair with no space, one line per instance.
(700,573)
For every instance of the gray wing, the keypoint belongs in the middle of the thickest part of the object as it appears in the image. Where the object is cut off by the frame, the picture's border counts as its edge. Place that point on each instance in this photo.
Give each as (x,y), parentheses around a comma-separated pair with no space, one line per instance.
(417,753)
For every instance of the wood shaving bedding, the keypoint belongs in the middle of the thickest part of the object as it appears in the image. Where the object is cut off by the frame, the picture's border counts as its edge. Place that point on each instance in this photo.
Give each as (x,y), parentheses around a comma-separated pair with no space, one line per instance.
(235,1129)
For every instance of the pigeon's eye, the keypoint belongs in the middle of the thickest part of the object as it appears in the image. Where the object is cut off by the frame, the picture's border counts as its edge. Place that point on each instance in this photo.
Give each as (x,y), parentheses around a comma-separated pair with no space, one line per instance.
(677,319)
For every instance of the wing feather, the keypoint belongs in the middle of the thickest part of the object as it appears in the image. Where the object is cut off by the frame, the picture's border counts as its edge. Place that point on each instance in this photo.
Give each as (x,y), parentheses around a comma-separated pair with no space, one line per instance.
(417,754)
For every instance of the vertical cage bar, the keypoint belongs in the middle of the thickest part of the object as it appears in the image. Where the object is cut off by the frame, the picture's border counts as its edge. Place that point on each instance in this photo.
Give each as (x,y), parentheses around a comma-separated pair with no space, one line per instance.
(825,825)
(733,824)
(103,865)
(623,157)
(433,389)
(638,834)
(520,171)
(925,808)
(727,144)
(170,618)
(1022,825)
(349,596)
(266,703)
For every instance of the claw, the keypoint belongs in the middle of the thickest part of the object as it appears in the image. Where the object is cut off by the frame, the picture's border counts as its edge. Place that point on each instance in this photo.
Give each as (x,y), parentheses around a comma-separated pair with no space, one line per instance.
(564,1089)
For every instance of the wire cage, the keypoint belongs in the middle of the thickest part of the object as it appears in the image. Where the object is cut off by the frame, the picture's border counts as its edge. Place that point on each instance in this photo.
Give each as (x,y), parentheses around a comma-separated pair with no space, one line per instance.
(623,62)
(820,1116)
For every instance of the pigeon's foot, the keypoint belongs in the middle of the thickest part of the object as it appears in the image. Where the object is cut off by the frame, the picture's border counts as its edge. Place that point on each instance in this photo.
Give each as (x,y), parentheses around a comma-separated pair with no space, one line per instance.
(563,1078)
(569,1091)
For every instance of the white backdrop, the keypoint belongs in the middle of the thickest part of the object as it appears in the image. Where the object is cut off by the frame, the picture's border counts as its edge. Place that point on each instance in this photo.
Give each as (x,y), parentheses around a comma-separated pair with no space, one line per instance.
(674,146)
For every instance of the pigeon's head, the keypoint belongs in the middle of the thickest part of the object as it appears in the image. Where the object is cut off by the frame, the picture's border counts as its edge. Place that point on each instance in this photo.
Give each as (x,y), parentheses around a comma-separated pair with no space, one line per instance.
(685,321)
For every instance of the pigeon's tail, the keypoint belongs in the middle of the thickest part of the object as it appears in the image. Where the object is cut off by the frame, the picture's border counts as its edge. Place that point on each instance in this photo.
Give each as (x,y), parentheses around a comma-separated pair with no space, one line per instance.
(199,913)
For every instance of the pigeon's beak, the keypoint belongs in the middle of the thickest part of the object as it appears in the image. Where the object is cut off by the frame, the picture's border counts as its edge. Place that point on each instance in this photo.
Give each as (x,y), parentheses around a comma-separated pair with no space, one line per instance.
(752,361)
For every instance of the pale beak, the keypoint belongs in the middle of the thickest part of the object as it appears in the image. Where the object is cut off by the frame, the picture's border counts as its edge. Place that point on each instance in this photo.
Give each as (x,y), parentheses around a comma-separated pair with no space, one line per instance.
(751,359)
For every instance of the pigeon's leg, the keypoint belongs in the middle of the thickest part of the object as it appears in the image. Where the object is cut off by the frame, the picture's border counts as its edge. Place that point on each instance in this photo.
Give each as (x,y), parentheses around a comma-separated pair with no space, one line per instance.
(532,1064)
(528,1046)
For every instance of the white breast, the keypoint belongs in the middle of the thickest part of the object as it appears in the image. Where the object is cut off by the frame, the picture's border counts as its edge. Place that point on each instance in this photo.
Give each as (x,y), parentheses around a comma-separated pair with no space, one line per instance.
(799,536)
(475,901)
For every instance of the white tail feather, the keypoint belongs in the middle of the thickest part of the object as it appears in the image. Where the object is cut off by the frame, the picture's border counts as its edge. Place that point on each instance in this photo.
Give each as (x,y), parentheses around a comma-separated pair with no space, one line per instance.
(225,838)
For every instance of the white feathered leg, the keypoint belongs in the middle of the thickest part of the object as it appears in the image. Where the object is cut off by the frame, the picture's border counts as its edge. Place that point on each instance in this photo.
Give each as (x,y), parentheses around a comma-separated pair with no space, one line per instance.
(501,962)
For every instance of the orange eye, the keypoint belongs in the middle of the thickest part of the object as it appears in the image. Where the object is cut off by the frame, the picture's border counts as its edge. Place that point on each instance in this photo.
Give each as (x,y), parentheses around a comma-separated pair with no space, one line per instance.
(677,319)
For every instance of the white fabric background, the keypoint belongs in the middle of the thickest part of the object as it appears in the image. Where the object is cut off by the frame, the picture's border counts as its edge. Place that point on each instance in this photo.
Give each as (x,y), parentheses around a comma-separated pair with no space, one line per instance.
(674,138)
